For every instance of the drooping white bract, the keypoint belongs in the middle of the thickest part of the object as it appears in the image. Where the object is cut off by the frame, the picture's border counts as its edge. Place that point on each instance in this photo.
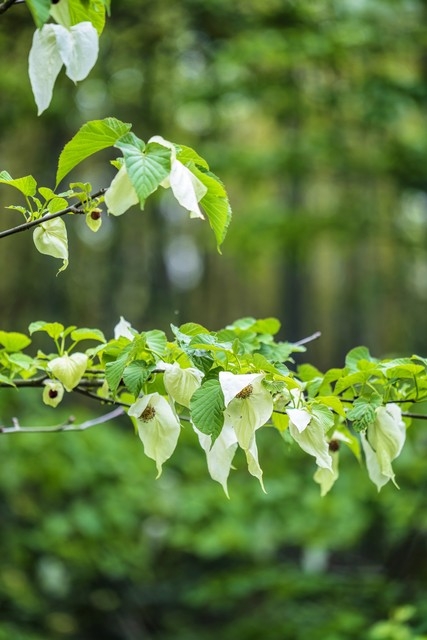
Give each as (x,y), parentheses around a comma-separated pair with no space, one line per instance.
(50,238)
(383,442)
(220,454)
(309,433)
(248,406)
(123,329)
(69,369)
(158,427)
(186,187)
(54,45)
(181,383)
(327,477)
(121,194)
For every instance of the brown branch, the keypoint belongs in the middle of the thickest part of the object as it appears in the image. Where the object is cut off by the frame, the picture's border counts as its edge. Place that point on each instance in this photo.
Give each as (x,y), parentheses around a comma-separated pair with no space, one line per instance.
(75,209)
(4,6)
(67,426)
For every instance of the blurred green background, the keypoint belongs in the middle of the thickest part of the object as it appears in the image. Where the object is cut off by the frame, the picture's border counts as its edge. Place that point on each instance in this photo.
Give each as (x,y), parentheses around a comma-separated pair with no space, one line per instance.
(314,113)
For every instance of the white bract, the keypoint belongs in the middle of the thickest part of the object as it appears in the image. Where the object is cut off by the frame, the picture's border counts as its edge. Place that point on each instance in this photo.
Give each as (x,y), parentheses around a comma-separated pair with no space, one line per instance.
(383,442)
(123,329)
(181,383)
(309,432)
(220,454)
(50,238)
(120,195)
(158,427)
(186,188)
(54,45)
(248,406)
(69,369)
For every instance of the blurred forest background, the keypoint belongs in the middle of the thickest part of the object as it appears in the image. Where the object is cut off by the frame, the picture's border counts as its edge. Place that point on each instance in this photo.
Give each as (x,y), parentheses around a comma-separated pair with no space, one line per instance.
(314,114)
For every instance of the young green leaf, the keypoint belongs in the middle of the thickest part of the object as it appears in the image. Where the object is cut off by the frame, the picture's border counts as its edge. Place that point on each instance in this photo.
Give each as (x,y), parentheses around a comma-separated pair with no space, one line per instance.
(87,334)
(69,369)
(92,137)
(26,185)
(14,341)
(53,329)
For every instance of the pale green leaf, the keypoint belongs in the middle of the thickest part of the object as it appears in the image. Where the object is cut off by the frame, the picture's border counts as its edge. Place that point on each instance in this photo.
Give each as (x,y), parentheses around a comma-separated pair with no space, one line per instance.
(69,369)
(50,238)
(26,185)
(87,334)
(14,341)
(355,355)
(53,329)
(92,137)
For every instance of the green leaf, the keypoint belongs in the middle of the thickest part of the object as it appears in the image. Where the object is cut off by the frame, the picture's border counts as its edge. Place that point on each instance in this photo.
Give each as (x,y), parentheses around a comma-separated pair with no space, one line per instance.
(333,403)
(93,11)
(26,185)
(53,329)
(356,354)
(87,334)
(92,137)
(214,203)
(114,370)
(187,156)
(40,10)
(135,375)
(22,361)
(14,341)
(146,167)
(156,342)
(362,414)
(207,408)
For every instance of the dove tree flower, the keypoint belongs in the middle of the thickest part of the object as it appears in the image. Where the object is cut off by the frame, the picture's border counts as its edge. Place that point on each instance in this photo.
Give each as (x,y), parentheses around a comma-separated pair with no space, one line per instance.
(220,454)
(383,442)
(248,406)
(185,186)
(158,427)
(308,429)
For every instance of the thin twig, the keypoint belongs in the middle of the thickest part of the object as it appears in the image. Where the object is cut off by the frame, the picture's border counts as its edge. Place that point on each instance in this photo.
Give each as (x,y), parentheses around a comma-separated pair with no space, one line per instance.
(314,336)
(7,4)
(67,426)
(415,416)
(75,209)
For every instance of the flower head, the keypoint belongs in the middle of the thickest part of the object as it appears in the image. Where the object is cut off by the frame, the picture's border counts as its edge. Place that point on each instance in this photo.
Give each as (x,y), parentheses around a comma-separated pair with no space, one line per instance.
(158,427)
(383,442)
